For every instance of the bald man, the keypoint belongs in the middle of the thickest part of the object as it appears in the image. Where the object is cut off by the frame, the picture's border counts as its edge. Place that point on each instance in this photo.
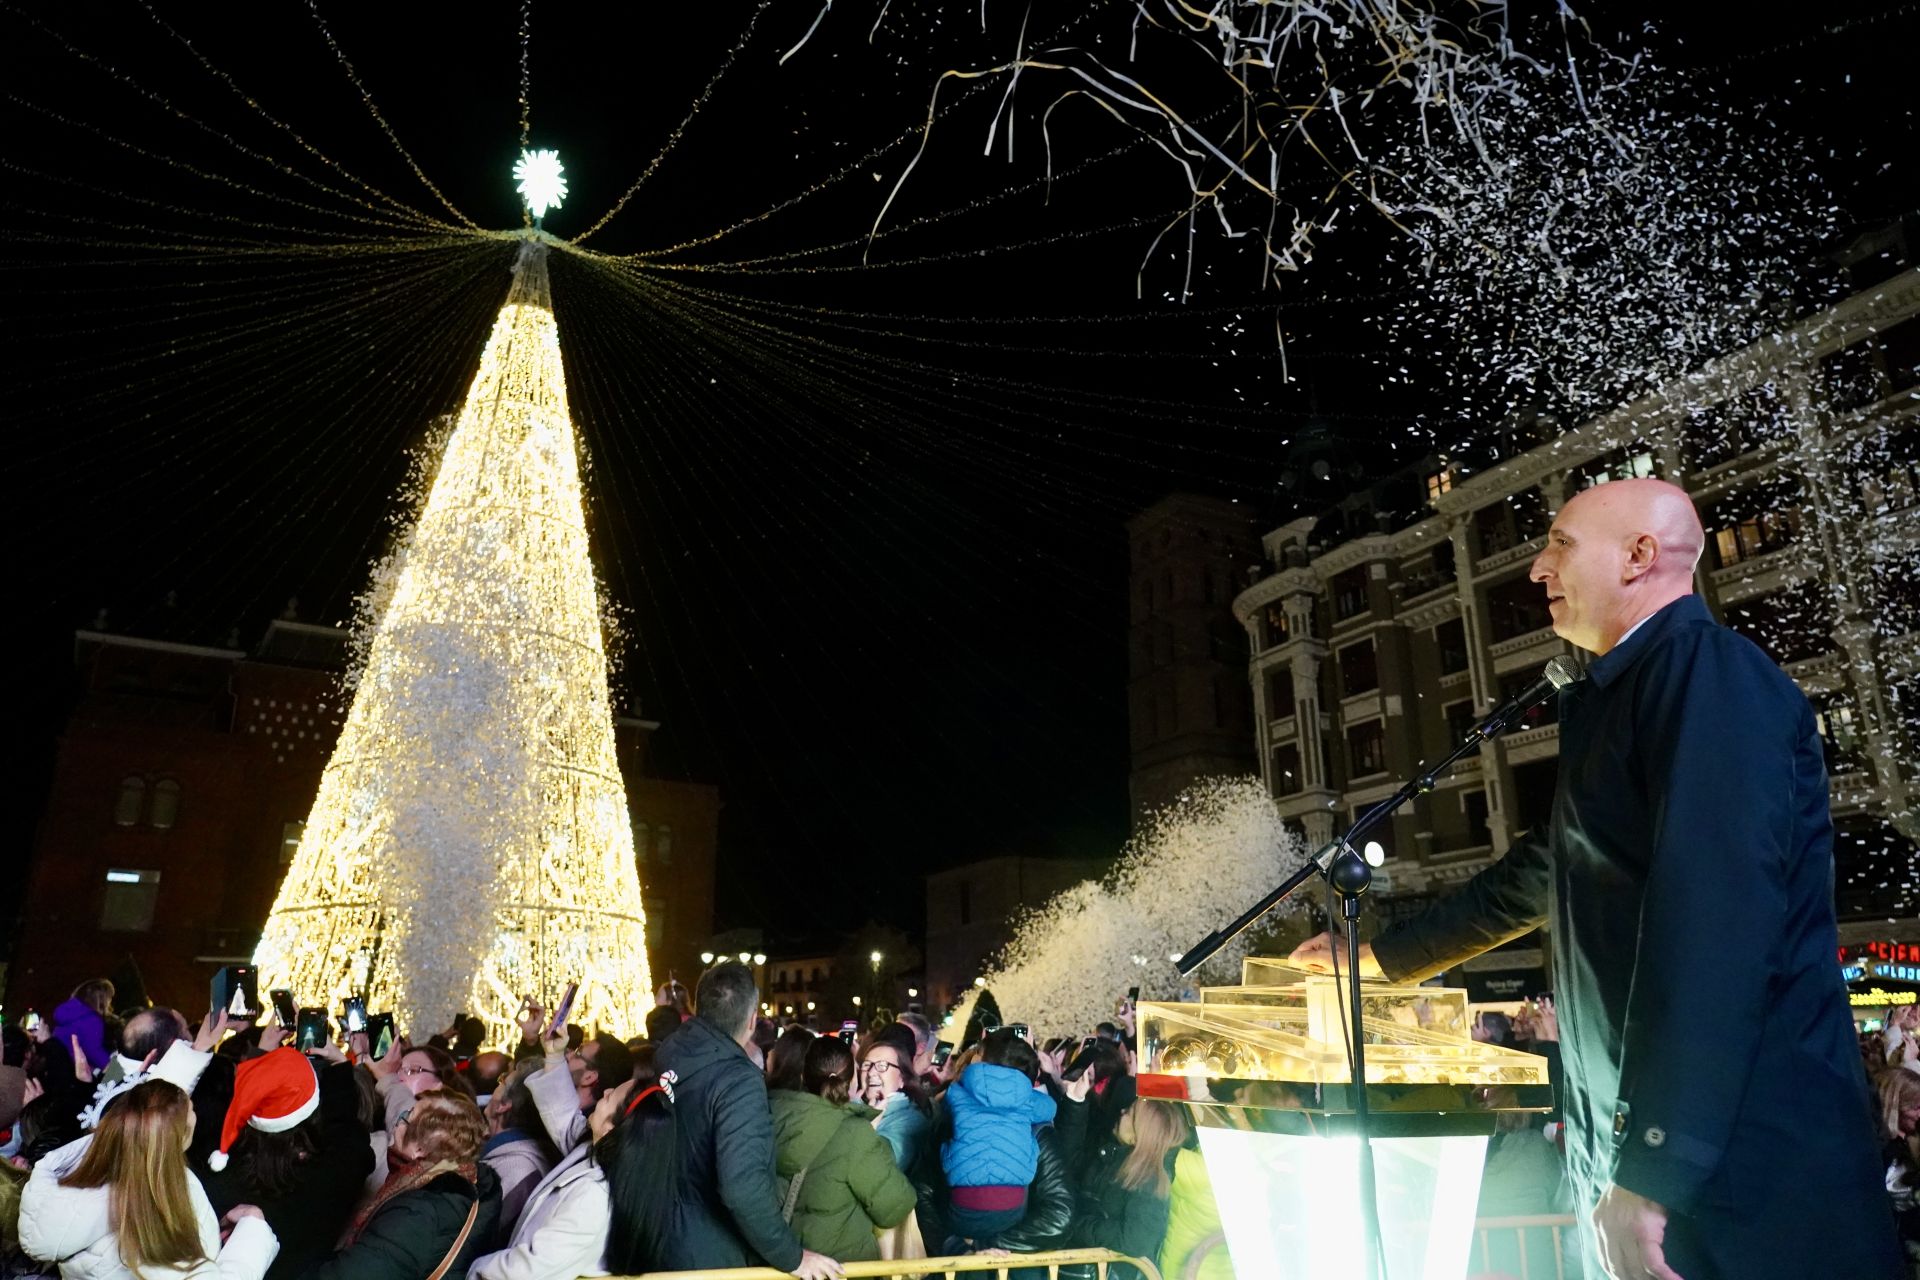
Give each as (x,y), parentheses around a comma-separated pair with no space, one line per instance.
(1718,1119)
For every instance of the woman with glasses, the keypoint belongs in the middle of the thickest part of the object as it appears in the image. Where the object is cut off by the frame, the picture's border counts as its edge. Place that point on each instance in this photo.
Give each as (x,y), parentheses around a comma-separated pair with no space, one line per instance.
(838,1183)
(888,1085)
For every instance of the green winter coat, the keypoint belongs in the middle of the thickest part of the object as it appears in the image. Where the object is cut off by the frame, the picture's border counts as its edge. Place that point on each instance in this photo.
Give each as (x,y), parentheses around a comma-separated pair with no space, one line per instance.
(851,1187)
(1195,1248)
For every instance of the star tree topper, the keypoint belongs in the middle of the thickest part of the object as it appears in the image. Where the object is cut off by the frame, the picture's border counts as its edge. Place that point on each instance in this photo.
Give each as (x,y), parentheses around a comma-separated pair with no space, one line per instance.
(541,181)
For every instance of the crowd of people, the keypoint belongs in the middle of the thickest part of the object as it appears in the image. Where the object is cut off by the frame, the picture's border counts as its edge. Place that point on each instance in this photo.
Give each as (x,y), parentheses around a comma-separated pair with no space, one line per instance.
(151,1148)
(143,1146)
(1893,1066)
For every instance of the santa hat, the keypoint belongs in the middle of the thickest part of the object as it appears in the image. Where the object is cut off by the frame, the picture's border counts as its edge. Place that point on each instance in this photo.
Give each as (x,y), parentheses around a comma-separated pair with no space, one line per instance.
(272,1093)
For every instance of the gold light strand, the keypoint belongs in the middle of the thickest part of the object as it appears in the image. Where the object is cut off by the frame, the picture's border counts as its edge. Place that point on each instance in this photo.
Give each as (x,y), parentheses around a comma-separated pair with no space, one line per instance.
(471,842)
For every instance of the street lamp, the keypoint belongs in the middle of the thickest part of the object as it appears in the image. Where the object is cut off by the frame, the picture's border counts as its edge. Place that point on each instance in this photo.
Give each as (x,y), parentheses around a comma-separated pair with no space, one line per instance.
(913,993)
(810,1006)
(759,957)
(746,957)
(706,957)
(856,1002)
(876,957)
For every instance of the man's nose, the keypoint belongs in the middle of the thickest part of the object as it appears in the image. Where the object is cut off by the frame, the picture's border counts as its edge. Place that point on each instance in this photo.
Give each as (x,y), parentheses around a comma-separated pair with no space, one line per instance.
(1535,572)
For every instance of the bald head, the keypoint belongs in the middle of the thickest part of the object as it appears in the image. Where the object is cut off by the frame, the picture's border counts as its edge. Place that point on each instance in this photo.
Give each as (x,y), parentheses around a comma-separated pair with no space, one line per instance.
(1617,554)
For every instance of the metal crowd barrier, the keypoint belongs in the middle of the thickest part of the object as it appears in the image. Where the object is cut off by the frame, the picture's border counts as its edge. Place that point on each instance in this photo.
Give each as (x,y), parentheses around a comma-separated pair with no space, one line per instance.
(1051,1259)
(1540,1238)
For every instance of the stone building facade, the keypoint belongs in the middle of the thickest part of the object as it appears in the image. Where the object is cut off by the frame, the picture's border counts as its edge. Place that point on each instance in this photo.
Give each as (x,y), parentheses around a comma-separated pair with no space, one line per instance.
(1373,653)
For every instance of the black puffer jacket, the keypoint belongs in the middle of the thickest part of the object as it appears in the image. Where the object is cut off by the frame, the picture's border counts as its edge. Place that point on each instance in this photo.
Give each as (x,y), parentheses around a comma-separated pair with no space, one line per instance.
(725,1212)
(411,1233)
(1049,1196)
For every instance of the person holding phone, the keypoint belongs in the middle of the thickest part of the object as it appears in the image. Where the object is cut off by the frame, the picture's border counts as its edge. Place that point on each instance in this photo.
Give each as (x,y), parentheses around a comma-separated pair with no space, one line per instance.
(291,1142)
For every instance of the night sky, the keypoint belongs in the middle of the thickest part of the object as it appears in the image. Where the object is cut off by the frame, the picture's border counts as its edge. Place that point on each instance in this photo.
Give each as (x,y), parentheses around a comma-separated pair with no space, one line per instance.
(862,523)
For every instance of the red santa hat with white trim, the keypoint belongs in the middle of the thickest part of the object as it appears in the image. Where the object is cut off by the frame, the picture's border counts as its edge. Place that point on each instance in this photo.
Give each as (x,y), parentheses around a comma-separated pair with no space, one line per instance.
(273,1093)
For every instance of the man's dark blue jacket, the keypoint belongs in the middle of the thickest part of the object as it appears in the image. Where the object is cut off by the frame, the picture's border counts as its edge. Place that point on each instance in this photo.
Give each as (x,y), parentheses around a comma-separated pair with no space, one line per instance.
(1711,1063)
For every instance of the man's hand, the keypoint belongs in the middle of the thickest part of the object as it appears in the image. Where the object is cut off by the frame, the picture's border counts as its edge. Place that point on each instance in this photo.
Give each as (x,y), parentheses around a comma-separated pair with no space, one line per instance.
(82,1069)
(1546,1023)
(212,1028)
(273,1035)
(1632,1229)
(816,1266)
(329,1051)
(1077,1090)
(1317,953)
(532,1016)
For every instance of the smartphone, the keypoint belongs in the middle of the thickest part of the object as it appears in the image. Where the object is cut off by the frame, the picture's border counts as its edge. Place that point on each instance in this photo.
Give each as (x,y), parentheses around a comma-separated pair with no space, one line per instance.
(380,1034)
(941,1052)
(561,1010)
(849,1031)
(1020,1029)
(353,1015)
(988,1028)
(1133,995)
(31,1022)
(236,988)
(309,1029)
(284,1011)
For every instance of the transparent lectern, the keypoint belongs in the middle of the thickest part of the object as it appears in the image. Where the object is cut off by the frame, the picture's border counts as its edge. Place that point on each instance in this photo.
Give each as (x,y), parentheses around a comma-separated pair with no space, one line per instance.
(1262,1068)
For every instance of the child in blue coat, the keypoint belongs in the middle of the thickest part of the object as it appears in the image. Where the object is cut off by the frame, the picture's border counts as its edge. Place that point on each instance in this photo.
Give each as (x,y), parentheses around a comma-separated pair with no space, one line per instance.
(993,1154)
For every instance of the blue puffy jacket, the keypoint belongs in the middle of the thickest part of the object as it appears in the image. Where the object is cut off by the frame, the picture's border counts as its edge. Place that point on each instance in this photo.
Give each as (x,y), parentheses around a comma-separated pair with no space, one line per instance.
(994,1111)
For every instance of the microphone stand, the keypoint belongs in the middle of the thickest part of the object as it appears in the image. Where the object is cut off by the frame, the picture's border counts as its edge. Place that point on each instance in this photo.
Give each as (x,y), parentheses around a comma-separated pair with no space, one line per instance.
(1349,876)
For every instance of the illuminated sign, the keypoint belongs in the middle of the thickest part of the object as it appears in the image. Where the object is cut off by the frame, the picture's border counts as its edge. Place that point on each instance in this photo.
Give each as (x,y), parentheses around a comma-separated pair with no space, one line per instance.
(1877,998)
(1885,952)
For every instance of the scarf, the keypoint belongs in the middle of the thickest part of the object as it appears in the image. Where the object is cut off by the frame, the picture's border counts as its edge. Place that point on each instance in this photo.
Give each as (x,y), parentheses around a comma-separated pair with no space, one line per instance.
(403,1176)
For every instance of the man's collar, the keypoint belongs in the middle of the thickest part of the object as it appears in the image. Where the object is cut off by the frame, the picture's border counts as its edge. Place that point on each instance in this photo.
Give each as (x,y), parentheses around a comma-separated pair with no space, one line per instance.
(1643,635)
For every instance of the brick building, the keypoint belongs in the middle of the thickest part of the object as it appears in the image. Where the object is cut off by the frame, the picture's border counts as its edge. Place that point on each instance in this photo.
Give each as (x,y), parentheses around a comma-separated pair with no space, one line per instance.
(1188,713)
(971,910)
(181,782)
(1375,649)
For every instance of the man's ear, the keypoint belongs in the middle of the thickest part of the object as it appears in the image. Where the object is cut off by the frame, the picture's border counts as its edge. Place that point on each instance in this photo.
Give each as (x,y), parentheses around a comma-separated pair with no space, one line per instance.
(1642,553)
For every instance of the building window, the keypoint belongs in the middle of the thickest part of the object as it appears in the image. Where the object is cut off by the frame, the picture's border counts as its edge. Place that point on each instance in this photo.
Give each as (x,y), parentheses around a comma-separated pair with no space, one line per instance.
(1273,626)
(1474,805)
(1756,536)
(642,837)
(165,810)
(663,845)
(656,909)
(1517,607)
(1450,639)
(291,833)
(1349,594)
(1286,779)
(127,906)
(1366,749)
(1460,720)
(130,802)
(1359,669)
(1439,482)
(1279,694)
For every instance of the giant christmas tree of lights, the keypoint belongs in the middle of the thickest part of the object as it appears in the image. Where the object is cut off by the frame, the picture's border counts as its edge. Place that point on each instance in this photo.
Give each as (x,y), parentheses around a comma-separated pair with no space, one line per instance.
(470,844)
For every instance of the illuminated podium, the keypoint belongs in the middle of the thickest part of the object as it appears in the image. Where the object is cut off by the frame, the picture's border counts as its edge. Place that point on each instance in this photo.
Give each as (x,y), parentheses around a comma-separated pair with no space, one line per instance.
(1262,1068)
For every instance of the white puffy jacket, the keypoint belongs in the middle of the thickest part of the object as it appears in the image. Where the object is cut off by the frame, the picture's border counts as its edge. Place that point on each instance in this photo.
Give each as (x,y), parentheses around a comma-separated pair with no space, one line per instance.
(68,1225)
(562,1232)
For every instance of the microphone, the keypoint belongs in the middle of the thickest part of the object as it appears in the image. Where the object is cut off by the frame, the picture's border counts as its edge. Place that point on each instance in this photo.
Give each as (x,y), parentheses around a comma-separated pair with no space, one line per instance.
(1560,672)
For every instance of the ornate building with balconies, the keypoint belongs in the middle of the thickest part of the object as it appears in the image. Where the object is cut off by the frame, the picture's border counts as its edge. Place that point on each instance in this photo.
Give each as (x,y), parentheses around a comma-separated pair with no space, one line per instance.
(1372,653)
